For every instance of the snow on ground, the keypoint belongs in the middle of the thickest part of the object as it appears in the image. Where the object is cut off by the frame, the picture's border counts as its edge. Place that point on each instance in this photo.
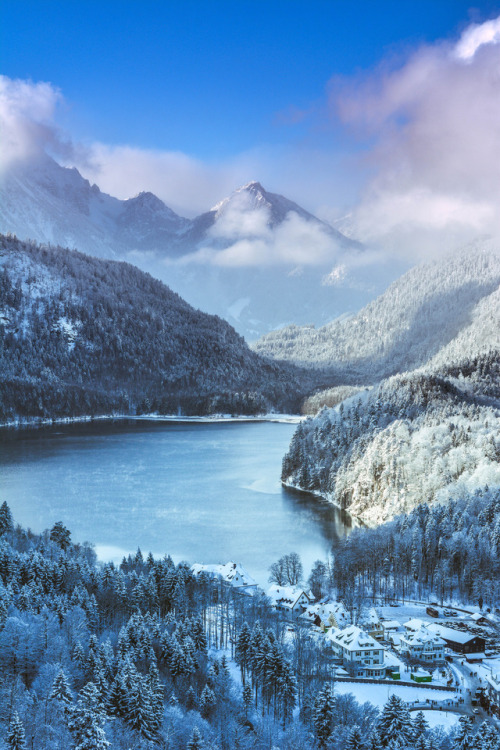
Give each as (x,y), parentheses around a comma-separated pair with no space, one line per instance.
(441,719)
(378,694)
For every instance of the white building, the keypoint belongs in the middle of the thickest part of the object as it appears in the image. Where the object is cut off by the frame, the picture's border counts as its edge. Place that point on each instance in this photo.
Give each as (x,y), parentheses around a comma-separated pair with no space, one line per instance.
(423,645)
(359,651)
(413,625)
(288,598)
(231,573)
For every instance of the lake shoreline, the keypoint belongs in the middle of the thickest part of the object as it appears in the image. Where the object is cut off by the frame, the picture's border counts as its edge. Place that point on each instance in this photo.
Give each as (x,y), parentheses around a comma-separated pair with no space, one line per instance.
(31,422)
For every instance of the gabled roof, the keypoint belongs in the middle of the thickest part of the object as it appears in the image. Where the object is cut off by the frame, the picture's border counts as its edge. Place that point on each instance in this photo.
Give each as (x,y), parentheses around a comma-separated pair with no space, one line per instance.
(457,636)
(324,609)
(423,636)
(353,638)
(414,624)
(285,596)
(228,573)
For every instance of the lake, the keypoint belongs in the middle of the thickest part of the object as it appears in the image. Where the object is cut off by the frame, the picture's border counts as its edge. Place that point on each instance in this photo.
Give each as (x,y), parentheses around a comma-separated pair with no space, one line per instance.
(202,492)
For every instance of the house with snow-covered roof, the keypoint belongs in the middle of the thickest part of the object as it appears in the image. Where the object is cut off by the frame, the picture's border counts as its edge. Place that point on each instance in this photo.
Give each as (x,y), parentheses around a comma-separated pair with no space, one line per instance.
(423,645)
(233,574)
(326,614)
(471,646)
(373,624)
(289,598)
(361,653)
(414,624)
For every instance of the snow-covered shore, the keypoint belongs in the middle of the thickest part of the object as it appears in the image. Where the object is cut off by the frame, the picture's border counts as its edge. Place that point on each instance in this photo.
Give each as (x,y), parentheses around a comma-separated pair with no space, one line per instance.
(46,421)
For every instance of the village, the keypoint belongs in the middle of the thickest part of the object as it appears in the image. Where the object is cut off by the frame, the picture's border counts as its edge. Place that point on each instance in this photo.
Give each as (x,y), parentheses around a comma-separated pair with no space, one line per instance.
(443,660)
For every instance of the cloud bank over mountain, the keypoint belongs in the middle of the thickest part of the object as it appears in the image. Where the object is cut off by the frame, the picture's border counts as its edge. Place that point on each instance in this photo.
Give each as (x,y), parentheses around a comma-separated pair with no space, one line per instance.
(433,122)
(412,146)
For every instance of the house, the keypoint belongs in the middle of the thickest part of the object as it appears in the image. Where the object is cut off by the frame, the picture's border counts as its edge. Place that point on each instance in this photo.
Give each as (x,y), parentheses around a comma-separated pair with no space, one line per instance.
(493,683)
(479,619)
(288,598)
(326,614)
(373,625)
(414,624)
(471,646)
(390,627)
(232,574)
(358,651)
(423,645)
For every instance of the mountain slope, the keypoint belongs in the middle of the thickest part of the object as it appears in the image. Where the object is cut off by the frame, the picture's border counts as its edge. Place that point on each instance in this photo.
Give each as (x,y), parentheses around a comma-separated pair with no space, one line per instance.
(257,259)
(416,438)
(45,202)
(79,335)
(438,307)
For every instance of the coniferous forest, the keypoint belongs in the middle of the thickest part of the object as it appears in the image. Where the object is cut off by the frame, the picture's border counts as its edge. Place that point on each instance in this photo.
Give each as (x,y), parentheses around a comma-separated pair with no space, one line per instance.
(145,655)
(80,336)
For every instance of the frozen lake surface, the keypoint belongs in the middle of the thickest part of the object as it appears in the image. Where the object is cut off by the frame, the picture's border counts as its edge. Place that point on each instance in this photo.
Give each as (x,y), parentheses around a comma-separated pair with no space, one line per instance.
(201,492)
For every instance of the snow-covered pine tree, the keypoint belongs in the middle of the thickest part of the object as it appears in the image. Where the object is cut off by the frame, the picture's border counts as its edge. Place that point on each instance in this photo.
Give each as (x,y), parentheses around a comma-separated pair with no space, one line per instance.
(86,721)
(323,715)
(208,702)
(60,689)
(141,714)
(16,736)
(195,742)
(354,739)
(420,725)
(6,520)
(395,722)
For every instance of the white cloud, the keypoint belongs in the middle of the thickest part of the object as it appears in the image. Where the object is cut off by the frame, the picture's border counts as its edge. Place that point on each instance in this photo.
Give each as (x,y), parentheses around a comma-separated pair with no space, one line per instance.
(26,119)
(477,35)
(432,129)
(243,236)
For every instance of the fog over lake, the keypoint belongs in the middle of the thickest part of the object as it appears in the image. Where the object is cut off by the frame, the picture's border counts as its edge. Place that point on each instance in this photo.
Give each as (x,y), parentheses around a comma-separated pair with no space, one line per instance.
(201,492)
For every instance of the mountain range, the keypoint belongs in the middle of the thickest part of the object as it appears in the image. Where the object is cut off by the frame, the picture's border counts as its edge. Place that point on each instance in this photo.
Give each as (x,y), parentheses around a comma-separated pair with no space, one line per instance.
(427,427)
(257,259)
(442,312)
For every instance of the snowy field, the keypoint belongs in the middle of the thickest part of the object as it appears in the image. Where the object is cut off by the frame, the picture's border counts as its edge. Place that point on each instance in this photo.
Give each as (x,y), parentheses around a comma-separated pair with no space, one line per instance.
(379,694)
(441,719)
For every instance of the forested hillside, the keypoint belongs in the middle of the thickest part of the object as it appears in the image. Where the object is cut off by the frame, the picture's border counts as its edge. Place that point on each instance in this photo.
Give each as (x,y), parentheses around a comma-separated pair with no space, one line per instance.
(446,310)
(449,551)
(416,438)
(83,336)
(148,656)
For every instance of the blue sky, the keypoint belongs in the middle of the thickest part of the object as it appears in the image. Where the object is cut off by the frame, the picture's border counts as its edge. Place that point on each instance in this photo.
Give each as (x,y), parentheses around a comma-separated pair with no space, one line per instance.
(209,78)
(387,110)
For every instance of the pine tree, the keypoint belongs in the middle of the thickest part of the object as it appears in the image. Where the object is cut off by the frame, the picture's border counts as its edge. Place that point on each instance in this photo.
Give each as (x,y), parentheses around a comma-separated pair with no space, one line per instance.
(323,715)
(354,740)
(87,720)
(374,741)
(395,722)
(60,689)
(247,698)
(208,702)
(191,699)
(16,737)
(141,716)
(463,740)
(242,651)
(157,694)
(420,725)
(6,521)
(195,742)
(60,535)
